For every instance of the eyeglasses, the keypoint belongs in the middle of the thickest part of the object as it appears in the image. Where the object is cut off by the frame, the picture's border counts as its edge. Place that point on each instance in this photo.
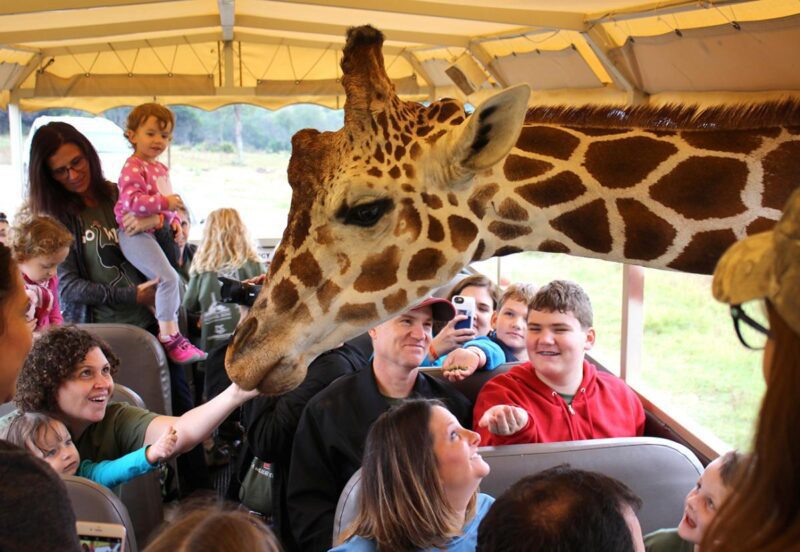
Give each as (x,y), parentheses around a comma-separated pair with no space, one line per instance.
(751,324)
(77,164)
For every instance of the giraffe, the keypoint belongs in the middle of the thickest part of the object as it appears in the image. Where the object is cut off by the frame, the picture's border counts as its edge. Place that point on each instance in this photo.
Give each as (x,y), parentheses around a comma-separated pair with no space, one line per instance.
(401,198)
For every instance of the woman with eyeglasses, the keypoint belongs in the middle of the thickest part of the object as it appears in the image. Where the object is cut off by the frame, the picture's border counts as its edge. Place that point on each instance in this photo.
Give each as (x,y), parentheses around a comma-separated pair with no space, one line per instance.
(763,513)
(96,283)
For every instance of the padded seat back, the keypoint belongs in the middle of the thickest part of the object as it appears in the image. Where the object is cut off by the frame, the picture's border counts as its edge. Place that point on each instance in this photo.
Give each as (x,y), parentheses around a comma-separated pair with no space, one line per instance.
(141,496)
(659,471)
(143,363)
(94,502)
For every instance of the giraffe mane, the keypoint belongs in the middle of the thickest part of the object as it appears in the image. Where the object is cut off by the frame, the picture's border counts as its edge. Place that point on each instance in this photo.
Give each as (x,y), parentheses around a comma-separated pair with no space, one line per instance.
(672,116)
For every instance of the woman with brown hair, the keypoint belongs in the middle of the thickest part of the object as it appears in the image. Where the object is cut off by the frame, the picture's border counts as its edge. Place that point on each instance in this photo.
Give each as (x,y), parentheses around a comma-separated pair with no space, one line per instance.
(763,513)
(419,483)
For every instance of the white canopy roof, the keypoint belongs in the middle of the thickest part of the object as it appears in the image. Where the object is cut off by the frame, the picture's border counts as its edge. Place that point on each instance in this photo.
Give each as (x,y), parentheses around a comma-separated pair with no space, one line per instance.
(97,54)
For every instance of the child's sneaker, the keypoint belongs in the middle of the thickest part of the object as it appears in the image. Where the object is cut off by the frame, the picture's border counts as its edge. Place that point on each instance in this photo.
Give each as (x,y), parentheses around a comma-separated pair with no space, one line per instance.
(180,351)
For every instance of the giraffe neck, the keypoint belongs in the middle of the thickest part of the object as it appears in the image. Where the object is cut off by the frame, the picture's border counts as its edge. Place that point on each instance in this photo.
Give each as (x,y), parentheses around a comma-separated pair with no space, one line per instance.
(663,199)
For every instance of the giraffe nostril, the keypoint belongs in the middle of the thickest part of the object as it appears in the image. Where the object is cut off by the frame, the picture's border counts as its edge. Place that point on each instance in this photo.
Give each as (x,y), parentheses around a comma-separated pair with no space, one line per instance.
(243,334)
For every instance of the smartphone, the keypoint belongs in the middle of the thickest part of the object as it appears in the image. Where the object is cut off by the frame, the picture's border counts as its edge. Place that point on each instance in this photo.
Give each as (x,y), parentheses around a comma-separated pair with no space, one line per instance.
(464,305)
(101,537)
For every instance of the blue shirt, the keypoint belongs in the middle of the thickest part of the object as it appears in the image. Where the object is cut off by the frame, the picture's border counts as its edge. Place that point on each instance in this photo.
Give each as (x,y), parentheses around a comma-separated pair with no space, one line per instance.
(464,543)
(116,472)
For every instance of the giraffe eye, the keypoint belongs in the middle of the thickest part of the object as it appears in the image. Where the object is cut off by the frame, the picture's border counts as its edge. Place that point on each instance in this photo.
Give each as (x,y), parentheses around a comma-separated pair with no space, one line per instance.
(367,214)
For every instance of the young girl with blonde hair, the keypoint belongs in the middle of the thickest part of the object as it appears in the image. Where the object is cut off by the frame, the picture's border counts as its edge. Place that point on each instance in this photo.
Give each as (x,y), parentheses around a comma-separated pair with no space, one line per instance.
(40,244)
(226,250)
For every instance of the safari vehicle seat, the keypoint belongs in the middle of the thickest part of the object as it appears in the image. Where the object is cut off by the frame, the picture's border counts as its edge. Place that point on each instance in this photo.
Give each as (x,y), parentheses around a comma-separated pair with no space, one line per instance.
(94,502)
(659,471)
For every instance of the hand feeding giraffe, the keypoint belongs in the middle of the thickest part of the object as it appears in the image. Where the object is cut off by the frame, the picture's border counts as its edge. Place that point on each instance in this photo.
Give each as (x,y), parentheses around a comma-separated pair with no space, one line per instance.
(404,196)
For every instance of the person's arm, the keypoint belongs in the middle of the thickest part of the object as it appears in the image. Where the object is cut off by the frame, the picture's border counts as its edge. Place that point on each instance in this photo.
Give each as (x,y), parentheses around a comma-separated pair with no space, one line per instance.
(481,353)
(133,194)
(448,339)
(199,423)
(116,472)
(499,420)
(134,225)
(74,288)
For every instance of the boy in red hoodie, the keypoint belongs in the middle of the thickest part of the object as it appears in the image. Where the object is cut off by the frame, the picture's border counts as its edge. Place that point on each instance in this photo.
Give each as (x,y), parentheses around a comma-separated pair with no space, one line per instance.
(558,395)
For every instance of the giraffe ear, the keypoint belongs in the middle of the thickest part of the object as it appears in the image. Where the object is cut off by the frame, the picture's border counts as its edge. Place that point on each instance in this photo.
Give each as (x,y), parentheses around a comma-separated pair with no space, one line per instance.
(492,130)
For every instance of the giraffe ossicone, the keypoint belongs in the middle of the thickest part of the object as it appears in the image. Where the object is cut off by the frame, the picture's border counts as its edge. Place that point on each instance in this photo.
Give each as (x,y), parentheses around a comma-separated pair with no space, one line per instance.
(401,198)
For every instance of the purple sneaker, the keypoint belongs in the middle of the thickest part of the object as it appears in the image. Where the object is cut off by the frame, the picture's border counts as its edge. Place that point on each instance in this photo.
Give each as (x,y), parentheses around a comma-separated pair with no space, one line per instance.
(180,351)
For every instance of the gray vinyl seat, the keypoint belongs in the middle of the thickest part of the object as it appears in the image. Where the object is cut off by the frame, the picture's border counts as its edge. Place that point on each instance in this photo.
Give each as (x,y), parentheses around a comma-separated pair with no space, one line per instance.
(141,496)
(94,502)
(659,471)
(143,364)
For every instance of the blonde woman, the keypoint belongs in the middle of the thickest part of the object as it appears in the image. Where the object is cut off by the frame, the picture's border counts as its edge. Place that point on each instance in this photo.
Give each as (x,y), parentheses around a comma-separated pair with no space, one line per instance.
(226,250)
(419,483)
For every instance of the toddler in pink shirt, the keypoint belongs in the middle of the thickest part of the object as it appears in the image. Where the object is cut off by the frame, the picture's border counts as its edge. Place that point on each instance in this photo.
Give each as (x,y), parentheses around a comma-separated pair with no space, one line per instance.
(144,190)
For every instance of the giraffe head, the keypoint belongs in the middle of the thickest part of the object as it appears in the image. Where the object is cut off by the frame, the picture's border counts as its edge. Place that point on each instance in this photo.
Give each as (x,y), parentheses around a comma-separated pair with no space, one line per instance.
(378,217)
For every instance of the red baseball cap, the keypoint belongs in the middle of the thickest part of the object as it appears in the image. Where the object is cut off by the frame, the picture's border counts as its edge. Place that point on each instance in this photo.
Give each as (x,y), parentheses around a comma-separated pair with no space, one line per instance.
(441,309)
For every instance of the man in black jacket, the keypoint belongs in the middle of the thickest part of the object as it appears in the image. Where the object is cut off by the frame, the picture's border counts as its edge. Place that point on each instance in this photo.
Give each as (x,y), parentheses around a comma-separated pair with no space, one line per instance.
(329,441)
(271,423)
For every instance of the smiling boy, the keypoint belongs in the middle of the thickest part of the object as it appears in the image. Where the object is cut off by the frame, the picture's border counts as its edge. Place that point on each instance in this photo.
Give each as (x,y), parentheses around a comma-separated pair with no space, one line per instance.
(558,395)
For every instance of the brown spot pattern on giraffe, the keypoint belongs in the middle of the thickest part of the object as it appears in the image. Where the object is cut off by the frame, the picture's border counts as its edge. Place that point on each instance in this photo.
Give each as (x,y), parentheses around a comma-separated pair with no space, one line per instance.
(325,294)
(703,188)
(344,262)
(408,221)
(408,188)
(379,271)
(647,236)
(587,226)
(284,296)
(435,229)
(409,170)
(306,268)
(479,251)
(452,199)
(432,200)
(480,198)
(399,152)
(415,151)
(433,138)
(761,224)
(301,314)
(703,251)
(511,210)
(624,162)
(355,313)
(423,290)
(560,188)
(598,131)
(395,302)
(378,154)
(553,246)
(394,172)
(277,261)
(738,141)
(425,264)
(548,141)
(462,232)
(781,170)
(506,231)
(518,168)
(448,110)
(299,230)
(375,171)
(507,250)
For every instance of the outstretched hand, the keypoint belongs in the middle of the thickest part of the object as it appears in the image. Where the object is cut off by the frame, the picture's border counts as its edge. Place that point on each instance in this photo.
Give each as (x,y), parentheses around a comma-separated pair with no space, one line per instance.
(504,419)
(449,338)
(461,363)
(164,448)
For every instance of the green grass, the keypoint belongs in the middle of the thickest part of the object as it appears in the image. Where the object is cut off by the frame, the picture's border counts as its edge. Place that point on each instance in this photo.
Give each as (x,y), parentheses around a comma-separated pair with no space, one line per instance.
(692,361)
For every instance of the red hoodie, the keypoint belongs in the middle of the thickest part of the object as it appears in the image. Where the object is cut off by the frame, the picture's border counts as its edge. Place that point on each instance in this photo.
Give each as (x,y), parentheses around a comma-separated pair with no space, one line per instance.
(604,406)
